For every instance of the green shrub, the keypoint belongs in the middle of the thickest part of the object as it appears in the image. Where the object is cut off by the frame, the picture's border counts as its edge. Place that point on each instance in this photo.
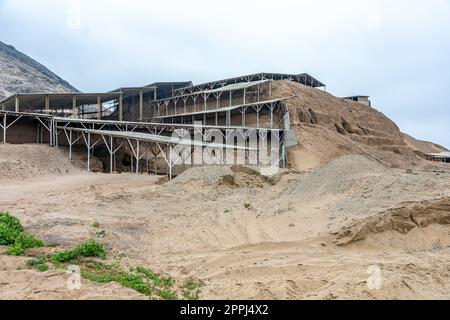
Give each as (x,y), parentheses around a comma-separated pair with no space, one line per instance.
(64,256)
(91,249)
(7,235)
(28,241)
(35,261)
(190,284)
(135,282)
(88,249)
(102,278)
(12,234)
(16,250)
(42,267)
(168,295)
(10,221)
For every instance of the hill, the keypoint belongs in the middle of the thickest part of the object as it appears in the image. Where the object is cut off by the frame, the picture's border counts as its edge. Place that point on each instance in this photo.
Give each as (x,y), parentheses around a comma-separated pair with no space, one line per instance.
(21,74)
(328,127)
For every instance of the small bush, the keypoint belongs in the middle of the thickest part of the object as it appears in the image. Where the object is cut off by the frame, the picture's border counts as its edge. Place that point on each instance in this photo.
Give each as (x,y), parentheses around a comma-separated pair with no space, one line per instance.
(167,281)
(64,256)
(16,250)
(168,295)
(28,241)
(191,289)
(12,234)
(190,284)
(88,249)
(91,249)
(7,235)
(35,261)
(42,267)
(10,221)
(135,282)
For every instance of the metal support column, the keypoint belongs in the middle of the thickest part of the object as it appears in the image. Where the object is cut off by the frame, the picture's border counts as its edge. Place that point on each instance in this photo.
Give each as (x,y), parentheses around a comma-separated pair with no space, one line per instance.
(121,107)
(74,107)
(99,108)
(137,156)
(89,152)
(17,107)
(141,105)
(70,144)
(111,154)
(4,128)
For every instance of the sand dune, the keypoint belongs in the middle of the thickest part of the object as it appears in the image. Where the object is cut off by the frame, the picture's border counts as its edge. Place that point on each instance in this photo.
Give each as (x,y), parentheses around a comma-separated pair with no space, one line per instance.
(306,235)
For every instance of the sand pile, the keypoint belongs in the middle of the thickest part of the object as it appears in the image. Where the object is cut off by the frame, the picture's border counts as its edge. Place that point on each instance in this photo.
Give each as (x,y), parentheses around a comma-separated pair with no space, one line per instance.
(340,175)
(208,175)
(402,220)
(236,176)
(31,160)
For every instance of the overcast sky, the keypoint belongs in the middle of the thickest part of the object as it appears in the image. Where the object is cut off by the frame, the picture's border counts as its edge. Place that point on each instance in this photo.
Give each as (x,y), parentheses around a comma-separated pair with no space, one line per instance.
(398,52)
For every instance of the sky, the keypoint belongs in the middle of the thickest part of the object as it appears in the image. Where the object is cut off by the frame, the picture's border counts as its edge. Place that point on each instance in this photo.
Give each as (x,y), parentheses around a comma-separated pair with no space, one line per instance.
(396,51)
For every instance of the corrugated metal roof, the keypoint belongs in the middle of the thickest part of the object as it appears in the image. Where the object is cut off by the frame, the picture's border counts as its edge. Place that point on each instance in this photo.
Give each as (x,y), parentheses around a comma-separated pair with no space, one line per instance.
(223,109)
(236,86)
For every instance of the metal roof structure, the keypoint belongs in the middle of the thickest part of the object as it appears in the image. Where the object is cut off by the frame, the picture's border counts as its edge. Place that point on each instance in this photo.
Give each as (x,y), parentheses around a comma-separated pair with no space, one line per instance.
(135,90)
(226,88)
(445,154)
(225,109)
(158,138)
(235,86)
(61,100)
(132,125)
(356,96)
(303,78)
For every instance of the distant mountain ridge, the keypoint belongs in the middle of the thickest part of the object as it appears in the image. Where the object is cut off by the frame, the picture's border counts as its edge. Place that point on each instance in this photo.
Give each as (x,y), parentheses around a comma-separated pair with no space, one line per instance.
(21,74)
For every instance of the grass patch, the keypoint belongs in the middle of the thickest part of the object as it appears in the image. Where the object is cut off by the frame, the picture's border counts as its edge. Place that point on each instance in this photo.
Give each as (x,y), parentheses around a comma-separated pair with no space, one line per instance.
(16,250)
(139,278)
(13,235)
(89,249)
(42,267)
(64,256)
(191,289)
(38,263)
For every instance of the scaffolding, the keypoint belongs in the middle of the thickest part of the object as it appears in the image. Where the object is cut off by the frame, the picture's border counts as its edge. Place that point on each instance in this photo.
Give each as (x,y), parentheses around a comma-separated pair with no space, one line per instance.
(144,138)
(302,78)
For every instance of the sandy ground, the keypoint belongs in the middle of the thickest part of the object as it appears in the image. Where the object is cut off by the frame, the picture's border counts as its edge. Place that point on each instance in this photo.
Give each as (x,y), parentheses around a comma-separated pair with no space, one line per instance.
(312,235)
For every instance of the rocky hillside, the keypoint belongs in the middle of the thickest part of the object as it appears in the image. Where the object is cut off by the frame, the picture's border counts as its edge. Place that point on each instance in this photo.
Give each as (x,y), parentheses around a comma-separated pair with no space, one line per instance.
(328,127)
(21,74)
